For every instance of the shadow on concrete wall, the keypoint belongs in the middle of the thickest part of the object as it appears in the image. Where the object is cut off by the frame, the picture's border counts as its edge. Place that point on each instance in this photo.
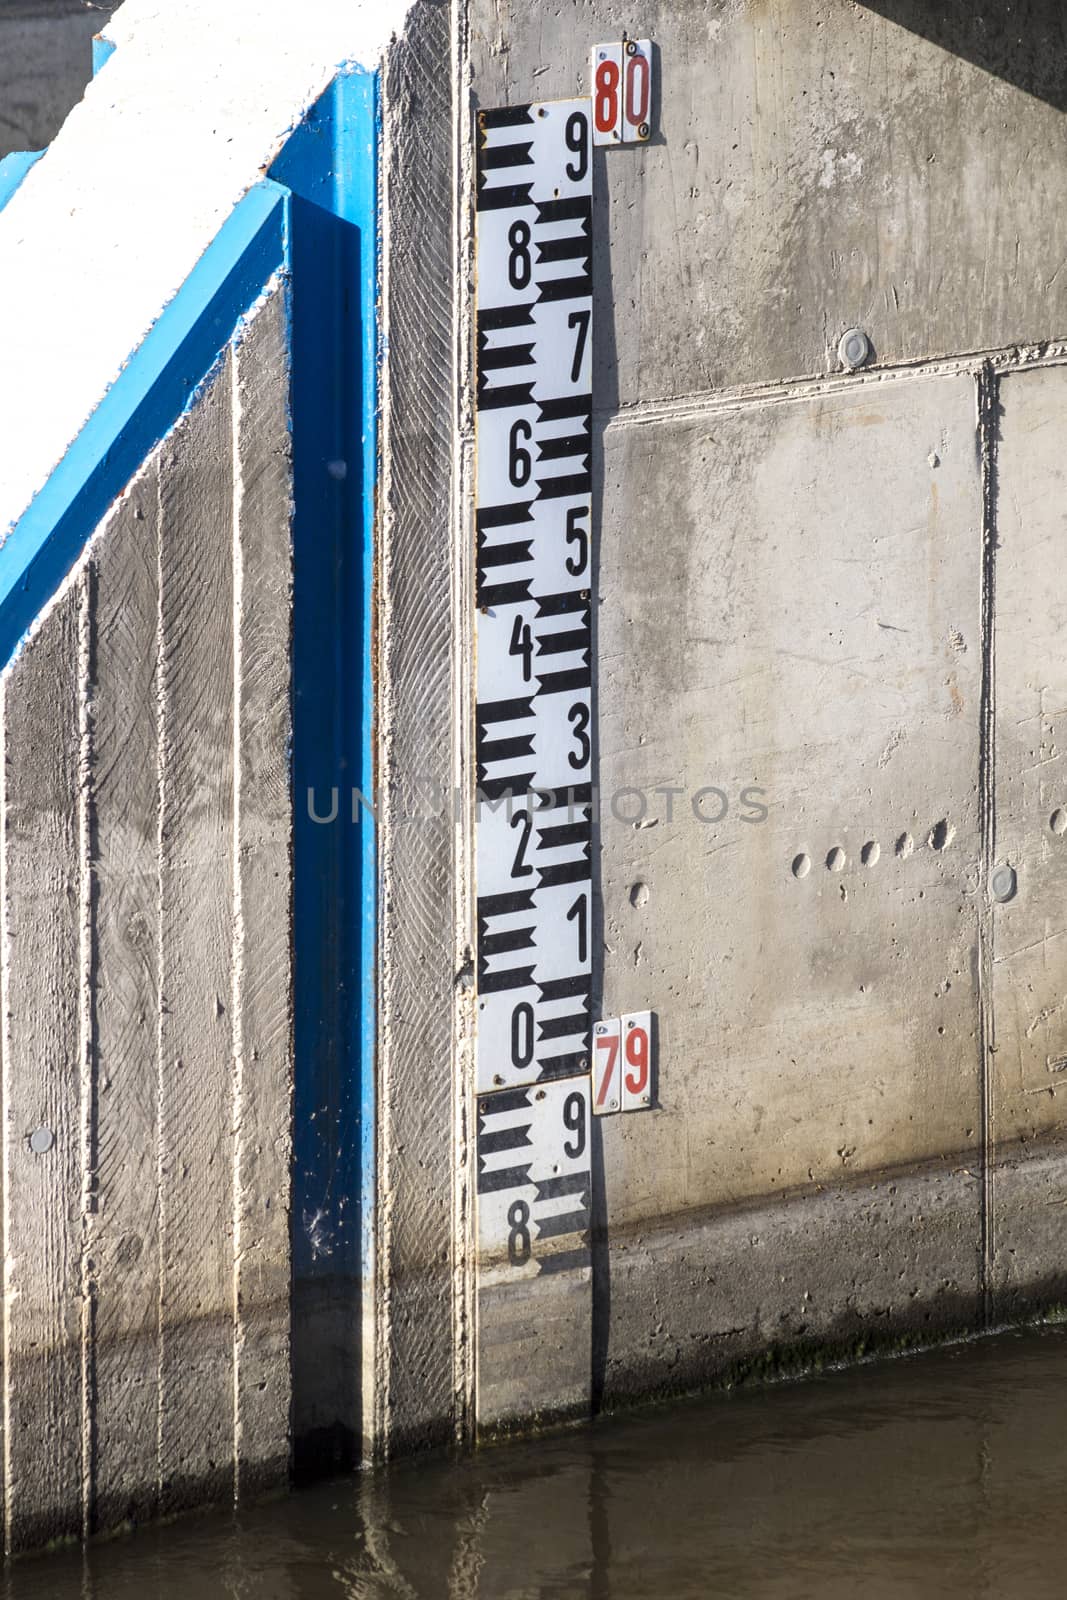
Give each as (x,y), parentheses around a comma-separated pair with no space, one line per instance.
(1023,42)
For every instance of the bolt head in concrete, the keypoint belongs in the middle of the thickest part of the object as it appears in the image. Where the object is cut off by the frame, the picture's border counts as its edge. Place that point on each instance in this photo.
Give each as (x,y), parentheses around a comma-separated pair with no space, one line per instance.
(1002,883)
(854,349)
(41,1141)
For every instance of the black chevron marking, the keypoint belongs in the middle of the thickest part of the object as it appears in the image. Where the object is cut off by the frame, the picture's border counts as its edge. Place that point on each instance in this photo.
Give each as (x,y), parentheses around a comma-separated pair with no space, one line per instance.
(573,248)
(497,790)
(503,196)
(503,594)
(562,1223)
(504,905)
(578,484)
(566,988)
(568,1066)
(566,833)
(559,644)
(565,406)
(565,872)
(558,448)
(562,1027)
(575,208)
(505,155)
(491,1105)
(492,318)
(506,355)
(579,288)
(498,982)
(565,682)
(565,1261)
(505,117)
(501,944)
(488,711)
(506,555)
(561,605)
(505,1178)
(568,1183)
(572,799)
(493,750)
(492,1142)
(503,516)
(508,394)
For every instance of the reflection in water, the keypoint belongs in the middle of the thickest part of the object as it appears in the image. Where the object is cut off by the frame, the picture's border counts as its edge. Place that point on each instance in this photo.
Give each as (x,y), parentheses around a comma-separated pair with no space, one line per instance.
(941,1475)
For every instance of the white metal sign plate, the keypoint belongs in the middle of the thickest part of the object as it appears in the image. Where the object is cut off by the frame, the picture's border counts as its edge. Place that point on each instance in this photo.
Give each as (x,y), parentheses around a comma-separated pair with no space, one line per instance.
(623,1063)
(534,1181)
(607,1067)
(533,751)
(534,317)
(622,92)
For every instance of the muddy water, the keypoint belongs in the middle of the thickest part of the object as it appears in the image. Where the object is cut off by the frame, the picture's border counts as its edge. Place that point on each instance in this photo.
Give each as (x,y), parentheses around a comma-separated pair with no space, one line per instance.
(940,1475)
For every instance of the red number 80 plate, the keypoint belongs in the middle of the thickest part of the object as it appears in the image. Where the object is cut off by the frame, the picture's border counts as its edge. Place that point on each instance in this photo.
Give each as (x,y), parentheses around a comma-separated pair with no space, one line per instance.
(622,92)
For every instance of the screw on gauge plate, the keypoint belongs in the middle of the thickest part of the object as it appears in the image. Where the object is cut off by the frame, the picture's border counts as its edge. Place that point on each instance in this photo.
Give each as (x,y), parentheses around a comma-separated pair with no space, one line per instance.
(583,1064)
(1003,883)
(601,1027)
(643,130)
(631,47)
(854,349)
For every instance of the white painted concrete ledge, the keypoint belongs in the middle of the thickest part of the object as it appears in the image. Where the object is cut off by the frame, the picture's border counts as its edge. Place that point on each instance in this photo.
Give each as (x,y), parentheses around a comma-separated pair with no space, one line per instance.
(186,116)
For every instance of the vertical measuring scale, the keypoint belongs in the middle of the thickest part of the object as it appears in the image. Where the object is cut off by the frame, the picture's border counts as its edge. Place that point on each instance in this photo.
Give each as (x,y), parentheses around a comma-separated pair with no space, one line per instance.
(533,755)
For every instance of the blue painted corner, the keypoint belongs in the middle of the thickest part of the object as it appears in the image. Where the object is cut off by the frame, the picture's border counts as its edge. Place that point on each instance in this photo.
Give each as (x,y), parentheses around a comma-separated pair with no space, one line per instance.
(145,400)
(13,169)
(103,50)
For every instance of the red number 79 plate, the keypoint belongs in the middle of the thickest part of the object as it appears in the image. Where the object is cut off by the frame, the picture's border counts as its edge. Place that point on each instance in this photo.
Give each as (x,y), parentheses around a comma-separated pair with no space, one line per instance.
(622,1063)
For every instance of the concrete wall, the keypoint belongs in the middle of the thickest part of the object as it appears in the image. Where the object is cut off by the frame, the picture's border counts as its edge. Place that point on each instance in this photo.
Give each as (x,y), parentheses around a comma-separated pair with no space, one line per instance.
(145,826)
(839,589)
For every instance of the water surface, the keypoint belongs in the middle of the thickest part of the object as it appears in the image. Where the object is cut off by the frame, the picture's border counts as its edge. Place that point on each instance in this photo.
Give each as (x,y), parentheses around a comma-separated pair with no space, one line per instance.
(939,1475)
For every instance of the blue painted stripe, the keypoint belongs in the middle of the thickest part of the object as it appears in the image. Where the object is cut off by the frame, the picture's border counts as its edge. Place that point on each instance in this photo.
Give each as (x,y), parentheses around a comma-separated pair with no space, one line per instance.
(330,163)
(142,404)
(361,97)
(13,169)
(103,50)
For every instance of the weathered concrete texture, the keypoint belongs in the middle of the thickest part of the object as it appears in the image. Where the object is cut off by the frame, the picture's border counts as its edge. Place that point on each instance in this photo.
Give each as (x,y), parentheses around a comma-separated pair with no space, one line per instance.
(1028,941)
(146,961)
(412,1371)
(778,1284)
(841,595)
(799,584)
(815,165)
